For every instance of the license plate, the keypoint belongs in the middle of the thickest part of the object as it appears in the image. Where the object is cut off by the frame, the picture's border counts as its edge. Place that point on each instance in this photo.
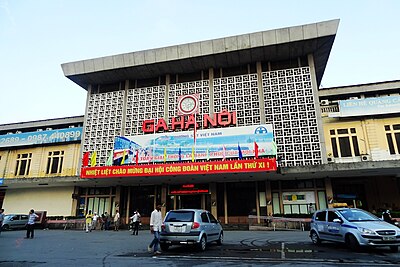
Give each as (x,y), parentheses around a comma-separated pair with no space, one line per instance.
(177,229)
(388,238)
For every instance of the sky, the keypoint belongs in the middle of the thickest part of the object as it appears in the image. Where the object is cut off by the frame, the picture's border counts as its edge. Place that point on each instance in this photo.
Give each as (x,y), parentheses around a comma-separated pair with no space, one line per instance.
(37,36)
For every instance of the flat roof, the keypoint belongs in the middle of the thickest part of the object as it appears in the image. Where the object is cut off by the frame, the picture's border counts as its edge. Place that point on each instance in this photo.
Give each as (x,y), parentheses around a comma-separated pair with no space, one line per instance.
(272,45)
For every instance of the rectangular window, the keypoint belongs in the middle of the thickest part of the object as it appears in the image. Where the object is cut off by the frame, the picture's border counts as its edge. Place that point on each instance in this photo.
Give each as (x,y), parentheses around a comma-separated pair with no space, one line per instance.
(55,162)
(393,138)
(344,143)
(23,164)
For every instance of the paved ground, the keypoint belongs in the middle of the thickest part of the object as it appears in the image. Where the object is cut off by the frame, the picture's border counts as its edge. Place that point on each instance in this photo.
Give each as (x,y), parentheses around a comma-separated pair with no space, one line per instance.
(240,248)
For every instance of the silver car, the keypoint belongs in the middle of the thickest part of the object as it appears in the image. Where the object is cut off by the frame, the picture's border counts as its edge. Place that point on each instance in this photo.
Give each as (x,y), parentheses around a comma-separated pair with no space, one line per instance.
(190,227)
(354,227)
(15,221)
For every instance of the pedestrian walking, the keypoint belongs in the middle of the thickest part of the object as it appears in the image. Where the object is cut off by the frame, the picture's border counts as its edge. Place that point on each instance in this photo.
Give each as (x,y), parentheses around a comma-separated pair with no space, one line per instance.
(117,221)
(107,221)
(136,221)
(155,229)
(95,220)
(89,220)
(1,218)
(30,226)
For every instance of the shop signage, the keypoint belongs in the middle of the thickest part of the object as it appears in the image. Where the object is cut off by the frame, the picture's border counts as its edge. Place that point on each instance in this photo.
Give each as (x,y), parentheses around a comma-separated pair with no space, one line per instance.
(369,106)
(298,197)
(41,137)
(188,189)
(186,168)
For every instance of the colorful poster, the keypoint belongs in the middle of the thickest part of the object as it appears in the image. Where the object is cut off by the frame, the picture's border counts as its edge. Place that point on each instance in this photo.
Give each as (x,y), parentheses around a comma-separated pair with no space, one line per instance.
(221,143)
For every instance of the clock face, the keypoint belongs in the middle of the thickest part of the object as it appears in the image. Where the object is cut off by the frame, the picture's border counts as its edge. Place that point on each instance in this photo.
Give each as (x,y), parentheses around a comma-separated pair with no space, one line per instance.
(187,105)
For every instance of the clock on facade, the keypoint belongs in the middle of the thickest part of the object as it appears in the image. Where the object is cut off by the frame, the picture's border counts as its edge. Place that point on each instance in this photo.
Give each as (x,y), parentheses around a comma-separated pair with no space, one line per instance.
(188,104)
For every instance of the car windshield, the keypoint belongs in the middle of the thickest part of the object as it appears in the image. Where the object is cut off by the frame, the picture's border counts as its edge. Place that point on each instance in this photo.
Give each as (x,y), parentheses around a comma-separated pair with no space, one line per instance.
(357,215)
(8,217)
(180,216)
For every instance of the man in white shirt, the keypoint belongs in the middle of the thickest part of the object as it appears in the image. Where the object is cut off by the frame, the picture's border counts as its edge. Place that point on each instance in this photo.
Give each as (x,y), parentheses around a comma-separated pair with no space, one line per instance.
(30,226)
(94,222)
(155,229)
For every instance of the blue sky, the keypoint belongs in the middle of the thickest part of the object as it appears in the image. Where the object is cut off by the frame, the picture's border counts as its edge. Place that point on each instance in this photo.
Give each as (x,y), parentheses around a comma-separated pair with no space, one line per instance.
(37,36)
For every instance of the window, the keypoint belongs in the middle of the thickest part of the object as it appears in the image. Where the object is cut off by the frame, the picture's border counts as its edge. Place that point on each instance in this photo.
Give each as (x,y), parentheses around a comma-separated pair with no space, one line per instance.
(332,215)
(344,143)
(320,216)
(55,162)
(212,218)
(393,138)
(204,218)
(23,164)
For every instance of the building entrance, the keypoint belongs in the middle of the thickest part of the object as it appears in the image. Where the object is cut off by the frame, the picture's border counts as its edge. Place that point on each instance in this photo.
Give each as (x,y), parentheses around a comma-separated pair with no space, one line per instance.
(188,202)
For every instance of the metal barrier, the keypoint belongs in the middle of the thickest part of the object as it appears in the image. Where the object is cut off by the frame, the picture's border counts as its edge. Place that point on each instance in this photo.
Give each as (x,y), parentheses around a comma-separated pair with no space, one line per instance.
(278,223)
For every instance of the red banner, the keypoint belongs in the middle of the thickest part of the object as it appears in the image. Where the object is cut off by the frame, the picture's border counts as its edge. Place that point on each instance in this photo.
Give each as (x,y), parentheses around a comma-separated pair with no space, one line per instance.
(213,167)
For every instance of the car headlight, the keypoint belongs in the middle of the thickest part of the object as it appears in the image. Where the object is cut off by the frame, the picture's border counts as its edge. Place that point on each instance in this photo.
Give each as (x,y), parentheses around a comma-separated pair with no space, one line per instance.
(366,231)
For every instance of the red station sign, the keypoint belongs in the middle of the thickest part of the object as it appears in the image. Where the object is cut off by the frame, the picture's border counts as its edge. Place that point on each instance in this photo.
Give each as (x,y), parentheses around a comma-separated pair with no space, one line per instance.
(182,168)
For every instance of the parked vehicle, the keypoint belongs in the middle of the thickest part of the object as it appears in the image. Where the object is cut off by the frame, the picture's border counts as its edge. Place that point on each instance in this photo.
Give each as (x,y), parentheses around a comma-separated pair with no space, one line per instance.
(190,227)
(15,221)
(354,227)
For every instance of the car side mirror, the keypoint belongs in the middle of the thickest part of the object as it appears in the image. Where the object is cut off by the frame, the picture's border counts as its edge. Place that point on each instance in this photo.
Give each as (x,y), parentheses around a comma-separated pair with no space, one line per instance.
(337,220)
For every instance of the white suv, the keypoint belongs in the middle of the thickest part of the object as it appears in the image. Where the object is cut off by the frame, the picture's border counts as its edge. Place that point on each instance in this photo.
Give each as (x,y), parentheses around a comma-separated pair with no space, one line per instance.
(355,227)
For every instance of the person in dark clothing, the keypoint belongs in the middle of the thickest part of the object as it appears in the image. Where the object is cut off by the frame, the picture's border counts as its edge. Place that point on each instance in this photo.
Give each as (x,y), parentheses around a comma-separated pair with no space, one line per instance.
(387,217)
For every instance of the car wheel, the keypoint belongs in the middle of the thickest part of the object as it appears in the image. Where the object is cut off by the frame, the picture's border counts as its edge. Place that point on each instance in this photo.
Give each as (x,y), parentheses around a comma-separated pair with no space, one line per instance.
(315,238)
(220,239)
(6,227)
(352,243)
(203,243)
(394,249)
(164,247)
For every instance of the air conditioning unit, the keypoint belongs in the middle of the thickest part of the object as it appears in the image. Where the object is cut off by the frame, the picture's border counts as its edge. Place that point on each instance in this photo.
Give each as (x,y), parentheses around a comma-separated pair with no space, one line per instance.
(353,97)
(330,160)
(39,130)
(18,132)
(324,102)
(365,157)
(71,126)
(49,129)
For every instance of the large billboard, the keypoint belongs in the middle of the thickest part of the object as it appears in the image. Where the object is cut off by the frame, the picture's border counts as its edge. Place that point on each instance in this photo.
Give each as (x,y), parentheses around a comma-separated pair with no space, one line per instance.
(221,143)
(41,137)
(369,106)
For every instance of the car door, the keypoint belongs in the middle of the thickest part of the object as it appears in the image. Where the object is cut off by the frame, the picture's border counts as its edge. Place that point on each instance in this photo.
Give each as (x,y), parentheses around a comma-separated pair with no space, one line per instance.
(320,224)
(205,225)
(334,226)
(214,226)
(24,220)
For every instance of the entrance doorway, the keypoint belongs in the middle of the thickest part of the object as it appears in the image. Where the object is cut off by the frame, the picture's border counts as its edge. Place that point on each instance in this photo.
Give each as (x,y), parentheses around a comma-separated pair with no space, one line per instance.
(188,202)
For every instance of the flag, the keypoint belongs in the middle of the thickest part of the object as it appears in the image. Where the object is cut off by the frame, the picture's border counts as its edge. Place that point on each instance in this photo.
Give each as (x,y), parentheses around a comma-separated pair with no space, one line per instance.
(240,152)
(110,159)
(93,159)
(137,156)
(165,154)
(85,159)
(223,152)
(208,153)
(180,154)
(123,158)
(255,150)
(192,153)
